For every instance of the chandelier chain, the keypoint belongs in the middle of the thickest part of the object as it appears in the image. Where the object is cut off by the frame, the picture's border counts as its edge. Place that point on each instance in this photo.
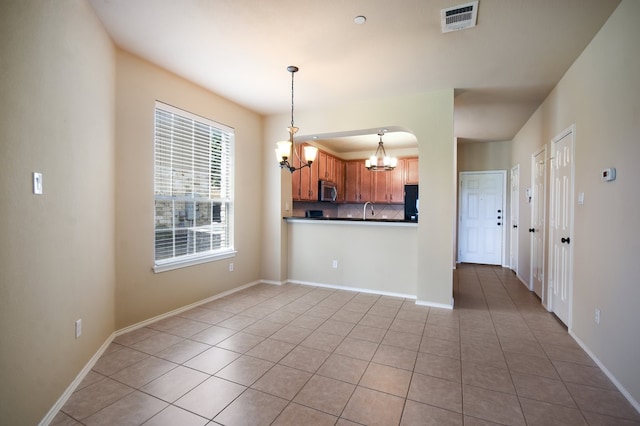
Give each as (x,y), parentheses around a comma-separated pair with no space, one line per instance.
(292,99)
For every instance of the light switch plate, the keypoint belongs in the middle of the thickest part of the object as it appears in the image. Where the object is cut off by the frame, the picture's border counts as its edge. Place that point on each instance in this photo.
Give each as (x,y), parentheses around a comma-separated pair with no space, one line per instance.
(37,183)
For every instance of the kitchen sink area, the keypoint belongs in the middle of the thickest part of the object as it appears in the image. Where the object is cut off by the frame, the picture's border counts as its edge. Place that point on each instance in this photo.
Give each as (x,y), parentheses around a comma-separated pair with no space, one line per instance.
(350,212)
(351,219)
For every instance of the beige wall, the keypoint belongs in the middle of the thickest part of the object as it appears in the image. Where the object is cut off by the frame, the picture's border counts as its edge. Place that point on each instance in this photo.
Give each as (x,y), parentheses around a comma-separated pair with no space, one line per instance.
(371,256)
(81,113)
(484,156)
(599,94)
(57,252)
(140,293)
(428,116)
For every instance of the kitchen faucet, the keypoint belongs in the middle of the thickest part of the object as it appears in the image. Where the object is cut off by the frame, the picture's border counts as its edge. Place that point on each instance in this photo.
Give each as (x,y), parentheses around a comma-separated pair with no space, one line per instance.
(364,210)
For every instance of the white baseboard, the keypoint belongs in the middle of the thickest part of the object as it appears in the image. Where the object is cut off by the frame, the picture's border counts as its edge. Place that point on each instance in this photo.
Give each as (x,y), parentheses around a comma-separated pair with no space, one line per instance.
(183,309)
(76,382)
(435,305)
(87,368)
(273,282)
(611,377)
(379,292)
(361,290)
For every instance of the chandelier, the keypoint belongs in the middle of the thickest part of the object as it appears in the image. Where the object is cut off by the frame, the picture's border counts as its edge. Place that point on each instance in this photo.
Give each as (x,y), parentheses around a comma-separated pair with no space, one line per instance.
(283,151)
(380,161)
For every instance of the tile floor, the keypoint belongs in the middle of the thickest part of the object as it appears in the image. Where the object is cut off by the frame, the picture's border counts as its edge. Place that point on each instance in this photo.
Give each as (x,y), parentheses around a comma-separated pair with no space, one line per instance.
(299,355)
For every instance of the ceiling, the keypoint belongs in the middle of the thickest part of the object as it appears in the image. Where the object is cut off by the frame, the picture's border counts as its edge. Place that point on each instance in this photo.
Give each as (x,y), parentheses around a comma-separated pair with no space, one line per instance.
(501,69)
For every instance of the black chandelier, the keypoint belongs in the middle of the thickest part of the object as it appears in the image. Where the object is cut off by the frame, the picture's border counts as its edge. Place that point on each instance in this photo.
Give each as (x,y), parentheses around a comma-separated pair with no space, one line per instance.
(283,151)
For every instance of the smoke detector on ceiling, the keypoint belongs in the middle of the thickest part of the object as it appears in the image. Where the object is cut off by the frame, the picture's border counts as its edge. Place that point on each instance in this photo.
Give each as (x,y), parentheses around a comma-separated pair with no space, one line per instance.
(459,17)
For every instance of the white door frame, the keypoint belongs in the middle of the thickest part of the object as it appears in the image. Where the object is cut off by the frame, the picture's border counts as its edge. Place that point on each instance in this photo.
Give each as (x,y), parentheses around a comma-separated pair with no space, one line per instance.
(570,131)
(514,218)
(543,200)
(503,221)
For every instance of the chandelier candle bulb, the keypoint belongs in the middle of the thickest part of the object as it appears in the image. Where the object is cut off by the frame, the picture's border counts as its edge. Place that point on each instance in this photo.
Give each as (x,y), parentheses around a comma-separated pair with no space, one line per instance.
(380,161)
(284,149)
(310,153)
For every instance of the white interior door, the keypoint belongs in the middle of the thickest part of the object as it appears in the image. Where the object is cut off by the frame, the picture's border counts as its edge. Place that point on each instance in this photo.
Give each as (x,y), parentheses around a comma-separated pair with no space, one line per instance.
(537,229)
(480,234)
(561,225)
(514,215)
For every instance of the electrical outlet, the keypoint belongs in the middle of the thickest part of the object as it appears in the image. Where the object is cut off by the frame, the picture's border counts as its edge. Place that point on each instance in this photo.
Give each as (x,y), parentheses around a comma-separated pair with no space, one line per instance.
(597,316)
(231,267)
(335,264)
(78,328)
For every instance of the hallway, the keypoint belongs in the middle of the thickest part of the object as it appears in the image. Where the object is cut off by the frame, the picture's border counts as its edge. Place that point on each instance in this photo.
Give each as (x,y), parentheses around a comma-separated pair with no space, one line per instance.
(291,355)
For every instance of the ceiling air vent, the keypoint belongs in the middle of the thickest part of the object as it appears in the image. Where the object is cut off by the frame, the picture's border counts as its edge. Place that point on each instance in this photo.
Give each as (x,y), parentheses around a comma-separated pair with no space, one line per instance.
(459,17)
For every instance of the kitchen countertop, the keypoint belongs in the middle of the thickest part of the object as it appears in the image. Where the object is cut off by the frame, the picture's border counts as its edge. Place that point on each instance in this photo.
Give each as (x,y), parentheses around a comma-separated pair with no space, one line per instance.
(351,221)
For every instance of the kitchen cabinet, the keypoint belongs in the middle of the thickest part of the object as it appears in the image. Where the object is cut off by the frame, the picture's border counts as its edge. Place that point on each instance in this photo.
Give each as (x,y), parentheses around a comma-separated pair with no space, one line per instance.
(304,185)
(354,182)
(338,174)
(309,183)
(358,182)
(389,186)
(412,171)
(326,166)
(295,177)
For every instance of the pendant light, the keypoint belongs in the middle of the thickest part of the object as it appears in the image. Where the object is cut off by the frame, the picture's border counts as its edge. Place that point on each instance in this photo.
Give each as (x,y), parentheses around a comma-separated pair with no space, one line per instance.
(380,161)
(283,151)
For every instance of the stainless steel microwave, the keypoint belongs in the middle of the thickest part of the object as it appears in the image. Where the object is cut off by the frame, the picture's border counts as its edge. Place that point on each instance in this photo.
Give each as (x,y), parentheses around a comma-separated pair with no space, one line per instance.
(327,191)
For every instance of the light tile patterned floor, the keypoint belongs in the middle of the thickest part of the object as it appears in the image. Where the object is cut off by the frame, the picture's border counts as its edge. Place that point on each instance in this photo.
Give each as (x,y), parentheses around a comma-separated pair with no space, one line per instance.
(299,355)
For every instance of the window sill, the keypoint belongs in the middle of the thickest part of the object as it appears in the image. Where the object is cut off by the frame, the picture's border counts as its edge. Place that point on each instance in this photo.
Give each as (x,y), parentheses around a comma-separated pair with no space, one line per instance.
(177,264)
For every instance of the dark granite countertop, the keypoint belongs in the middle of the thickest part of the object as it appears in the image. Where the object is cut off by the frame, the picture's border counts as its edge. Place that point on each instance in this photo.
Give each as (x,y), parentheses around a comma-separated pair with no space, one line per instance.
(349,219)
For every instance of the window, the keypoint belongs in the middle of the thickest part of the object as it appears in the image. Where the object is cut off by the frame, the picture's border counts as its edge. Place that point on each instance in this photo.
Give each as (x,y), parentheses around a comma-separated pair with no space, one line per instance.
(193,189)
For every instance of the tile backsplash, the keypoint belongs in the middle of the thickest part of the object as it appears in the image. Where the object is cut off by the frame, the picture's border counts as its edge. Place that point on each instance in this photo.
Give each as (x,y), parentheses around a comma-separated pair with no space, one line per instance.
(347,210)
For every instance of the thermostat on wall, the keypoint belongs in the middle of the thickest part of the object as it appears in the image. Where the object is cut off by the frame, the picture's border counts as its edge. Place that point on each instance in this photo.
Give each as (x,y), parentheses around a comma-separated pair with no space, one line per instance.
(608,174)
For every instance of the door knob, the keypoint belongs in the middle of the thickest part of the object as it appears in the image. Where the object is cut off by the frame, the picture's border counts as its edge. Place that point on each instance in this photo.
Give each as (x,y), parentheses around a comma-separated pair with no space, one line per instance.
(515,226)
(499,223)
(499,211)
(565,240)
(499,217)
(532,230)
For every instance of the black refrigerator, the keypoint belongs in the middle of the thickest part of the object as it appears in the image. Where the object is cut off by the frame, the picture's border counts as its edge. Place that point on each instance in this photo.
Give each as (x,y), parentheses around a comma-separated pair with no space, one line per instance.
(411,202)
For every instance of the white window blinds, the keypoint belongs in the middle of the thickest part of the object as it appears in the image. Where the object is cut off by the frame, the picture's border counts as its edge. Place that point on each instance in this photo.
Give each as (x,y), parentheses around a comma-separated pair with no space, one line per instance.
(193,188)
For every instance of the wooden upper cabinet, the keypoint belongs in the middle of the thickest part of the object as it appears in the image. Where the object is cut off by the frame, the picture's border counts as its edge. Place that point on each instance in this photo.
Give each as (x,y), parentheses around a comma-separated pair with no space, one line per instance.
(389,186)
(308,178)
(358,182)
(326,166)
(321,161)
(412,171)
(313,182)
(338,175)
(295,176)
(366,182)
(355,183)
(395,183)
(379,187)
(352,181)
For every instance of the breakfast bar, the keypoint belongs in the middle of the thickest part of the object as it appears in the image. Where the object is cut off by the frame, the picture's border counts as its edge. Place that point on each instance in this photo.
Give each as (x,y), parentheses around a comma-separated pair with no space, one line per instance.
(372,255)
